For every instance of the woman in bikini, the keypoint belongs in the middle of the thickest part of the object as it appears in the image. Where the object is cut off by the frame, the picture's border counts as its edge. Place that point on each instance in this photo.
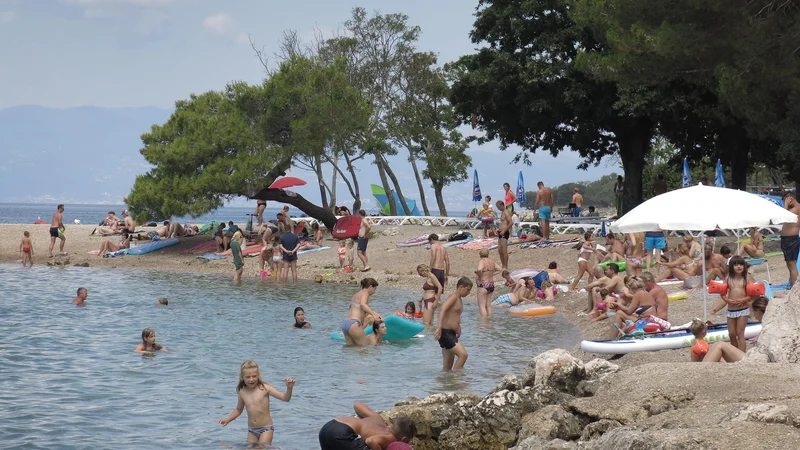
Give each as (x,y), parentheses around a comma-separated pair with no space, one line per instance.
(695,249)
(635,253)
(353,324)
(431,293)
(681,268)
(642,305)
(756,246)
(586,259)
(261,205)
(486,270)
(109,246)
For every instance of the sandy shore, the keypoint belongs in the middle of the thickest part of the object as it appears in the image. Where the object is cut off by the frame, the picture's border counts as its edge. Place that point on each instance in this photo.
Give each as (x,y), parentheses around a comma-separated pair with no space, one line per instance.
(392,266)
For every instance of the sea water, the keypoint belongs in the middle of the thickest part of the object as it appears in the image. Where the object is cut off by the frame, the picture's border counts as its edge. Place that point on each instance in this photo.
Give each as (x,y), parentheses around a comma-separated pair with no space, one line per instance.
(69,377)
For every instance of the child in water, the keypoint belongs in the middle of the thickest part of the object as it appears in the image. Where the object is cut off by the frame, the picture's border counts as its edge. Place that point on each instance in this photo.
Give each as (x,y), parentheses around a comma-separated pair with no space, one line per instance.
(26,247)
(411,310)
(149,344)
(254,395)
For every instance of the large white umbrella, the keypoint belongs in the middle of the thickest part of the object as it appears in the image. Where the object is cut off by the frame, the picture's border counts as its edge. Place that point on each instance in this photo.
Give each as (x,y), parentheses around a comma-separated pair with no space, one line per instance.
(703,208)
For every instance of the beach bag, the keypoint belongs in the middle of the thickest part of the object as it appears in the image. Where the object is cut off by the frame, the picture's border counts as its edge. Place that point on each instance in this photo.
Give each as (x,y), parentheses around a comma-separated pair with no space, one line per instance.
(540,278)
(460,236)
(346,227)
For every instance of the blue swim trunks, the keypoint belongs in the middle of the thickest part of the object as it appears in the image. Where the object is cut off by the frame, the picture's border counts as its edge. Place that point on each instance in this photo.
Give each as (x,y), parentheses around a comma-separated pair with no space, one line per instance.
(503,299)
(544,212)
(654,240)
(576,212)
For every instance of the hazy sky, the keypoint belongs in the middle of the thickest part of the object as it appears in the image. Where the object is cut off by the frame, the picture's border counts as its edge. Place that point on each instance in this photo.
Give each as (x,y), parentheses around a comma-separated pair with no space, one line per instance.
(120,53)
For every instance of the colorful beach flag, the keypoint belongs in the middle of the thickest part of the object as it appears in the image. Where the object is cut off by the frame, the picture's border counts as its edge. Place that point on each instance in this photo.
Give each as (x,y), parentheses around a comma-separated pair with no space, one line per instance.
(719,176)
(520,189)
(687,178)
(476,188)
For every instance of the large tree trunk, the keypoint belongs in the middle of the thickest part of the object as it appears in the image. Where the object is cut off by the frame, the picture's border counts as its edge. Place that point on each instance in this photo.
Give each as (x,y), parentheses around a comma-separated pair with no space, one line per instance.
(355,190)
(279,195)
(413,162)
(396,184)
(320,178)
(437,189)
(634,145)
(386,188)
(735,145)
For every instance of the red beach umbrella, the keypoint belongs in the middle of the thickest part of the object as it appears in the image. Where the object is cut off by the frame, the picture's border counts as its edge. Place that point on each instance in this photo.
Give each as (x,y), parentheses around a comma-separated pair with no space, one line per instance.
(286,182)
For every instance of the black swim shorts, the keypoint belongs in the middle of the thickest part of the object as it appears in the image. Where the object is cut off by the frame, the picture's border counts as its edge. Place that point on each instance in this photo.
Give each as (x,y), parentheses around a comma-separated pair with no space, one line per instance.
(53,231)
(362,244)
(790,245)
(439,274)
(448,339)
(336,435)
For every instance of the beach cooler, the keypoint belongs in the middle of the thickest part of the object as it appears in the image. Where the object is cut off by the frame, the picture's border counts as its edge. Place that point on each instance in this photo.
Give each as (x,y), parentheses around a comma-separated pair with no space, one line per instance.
(346,227)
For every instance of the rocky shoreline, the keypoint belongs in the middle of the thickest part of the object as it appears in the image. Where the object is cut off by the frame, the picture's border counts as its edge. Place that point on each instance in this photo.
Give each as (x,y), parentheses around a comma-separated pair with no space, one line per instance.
(560,402)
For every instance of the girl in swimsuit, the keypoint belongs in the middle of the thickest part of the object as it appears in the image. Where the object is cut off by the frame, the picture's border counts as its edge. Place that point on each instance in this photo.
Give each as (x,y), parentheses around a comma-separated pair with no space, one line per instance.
(149,344)
(586,259)
(681,268)
(300,318)
(642,305)
(635,252)
(485,273)
(353,325)
(737,301)
(553,274)
(26,247)
(431,293)
(109,246)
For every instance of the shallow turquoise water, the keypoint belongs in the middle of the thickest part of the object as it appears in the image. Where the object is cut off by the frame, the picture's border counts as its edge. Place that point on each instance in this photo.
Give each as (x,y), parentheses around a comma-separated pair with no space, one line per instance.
(69,379)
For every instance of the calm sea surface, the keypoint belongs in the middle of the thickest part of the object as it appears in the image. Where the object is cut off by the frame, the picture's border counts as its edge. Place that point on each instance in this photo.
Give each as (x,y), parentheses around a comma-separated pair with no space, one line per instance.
(69,377)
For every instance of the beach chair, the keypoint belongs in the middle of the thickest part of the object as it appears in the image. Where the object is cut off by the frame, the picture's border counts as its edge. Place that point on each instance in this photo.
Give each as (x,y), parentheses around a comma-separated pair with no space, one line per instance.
(758,262)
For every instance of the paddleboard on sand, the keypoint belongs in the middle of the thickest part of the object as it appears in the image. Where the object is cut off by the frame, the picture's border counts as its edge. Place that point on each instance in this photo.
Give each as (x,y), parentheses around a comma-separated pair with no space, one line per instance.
(663,340)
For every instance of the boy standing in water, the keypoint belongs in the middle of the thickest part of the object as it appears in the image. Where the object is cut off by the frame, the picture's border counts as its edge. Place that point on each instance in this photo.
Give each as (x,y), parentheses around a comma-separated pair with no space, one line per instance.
(236,250)
(26,247)
(449,329)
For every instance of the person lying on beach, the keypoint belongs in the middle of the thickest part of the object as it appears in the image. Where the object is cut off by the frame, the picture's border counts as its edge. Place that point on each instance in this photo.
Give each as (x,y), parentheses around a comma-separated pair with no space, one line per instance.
(525,291)
(178,230)
(681,268)
(353,324)
(110,246)
(81,298)
(431,293)
(642,305)
(254,395)
(554,275)
(110,225)
(155,235)
(300,318)
(367,430)
(315,242)
(149,344)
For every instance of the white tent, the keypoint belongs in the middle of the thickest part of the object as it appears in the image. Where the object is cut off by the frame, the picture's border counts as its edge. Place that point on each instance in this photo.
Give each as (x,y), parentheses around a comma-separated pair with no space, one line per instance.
(703,208)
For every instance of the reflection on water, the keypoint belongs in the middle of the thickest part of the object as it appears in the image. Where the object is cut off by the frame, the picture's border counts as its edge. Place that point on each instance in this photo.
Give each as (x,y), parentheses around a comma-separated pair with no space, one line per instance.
(69,374)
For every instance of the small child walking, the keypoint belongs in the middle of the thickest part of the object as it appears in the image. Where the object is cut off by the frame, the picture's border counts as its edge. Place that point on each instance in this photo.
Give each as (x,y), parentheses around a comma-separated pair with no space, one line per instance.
(26,247)
(254,395)
(342,252)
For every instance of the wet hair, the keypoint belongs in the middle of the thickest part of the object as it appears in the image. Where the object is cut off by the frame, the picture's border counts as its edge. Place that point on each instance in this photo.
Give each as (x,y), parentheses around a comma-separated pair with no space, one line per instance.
(423,268)
(146,333)
(698,327)
(249,364)
(413,307)
(81,289)
(737,260)
(647,277)
(163,301)
(367,283)
(26,233)
(760,304)
(298,309)
(376,326)
(614,267)
(725,250)
(464,282)
(553,265)
(484,253)
(404,428)
(433,237)
(603,293)
(587,235)
(634,284)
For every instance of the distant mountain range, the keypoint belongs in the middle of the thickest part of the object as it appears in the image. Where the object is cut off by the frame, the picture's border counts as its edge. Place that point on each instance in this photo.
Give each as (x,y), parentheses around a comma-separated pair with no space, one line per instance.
(74,155)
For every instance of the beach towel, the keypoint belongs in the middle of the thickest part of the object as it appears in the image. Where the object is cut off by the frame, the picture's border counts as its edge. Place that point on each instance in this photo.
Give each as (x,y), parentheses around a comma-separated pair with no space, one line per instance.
(312,250)
(549,244)
(252,247)
(212,256)
(477,244)
(205,247)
